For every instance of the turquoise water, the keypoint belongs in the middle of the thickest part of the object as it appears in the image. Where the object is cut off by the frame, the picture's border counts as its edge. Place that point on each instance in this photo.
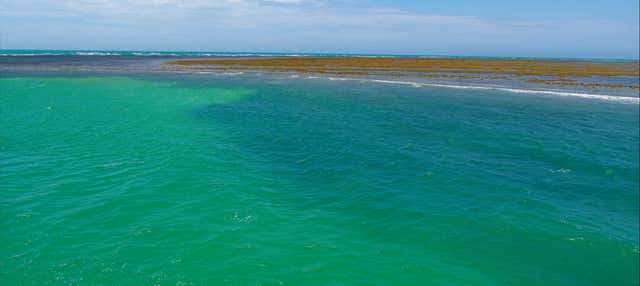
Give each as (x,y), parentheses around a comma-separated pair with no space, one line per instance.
(134,179)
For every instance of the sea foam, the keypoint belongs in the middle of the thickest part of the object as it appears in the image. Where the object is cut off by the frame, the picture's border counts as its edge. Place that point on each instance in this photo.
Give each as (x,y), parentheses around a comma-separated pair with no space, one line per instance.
(622,99)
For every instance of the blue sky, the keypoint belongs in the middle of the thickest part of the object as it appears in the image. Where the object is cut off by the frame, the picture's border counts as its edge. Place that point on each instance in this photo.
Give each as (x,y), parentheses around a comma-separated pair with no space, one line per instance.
(542,28)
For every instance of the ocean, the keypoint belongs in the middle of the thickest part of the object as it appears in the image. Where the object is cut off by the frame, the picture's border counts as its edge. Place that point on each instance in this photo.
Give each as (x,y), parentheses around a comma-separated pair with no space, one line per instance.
(116,173)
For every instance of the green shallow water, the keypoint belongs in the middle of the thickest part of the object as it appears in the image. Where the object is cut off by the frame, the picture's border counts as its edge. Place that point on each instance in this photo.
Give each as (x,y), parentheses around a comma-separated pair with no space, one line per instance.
(204,180)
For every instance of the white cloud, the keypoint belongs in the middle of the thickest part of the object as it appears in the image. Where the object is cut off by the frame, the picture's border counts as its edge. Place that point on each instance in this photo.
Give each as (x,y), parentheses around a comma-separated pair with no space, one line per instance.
(262,10)
(286,1)
(293,25)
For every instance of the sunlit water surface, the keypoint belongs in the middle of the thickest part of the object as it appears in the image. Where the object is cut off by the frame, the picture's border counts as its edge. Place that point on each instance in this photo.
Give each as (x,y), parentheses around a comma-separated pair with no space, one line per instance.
(145,179)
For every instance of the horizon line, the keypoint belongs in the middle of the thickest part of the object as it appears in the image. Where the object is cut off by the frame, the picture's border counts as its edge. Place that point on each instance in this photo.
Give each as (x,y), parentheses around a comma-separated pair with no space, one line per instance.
(330,53)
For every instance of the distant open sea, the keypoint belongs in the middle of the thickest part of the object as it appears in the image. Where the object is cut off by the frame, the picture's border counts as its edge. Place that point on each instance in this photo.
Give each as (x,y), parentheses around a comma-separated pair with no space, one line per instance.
(116,171)
(5,52)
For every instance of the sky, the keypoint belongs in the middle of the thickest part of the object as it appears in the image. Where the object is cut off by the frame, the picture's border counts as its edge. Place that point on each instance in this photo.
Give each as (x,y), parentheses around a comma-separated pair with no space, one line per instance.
(535,28)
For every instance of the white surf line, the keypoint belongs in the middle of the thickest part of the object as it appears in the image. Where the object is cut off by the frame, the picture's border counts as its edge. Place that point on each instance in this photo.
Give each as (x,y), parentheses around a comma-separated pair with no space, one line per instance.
(624,99)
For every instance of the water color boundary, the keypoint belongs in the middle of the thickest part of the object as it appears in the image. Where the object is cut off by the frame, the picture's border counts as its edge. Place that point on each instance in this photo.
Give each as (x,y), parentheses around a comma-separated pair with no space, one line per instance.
(604,97)
(168,67)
